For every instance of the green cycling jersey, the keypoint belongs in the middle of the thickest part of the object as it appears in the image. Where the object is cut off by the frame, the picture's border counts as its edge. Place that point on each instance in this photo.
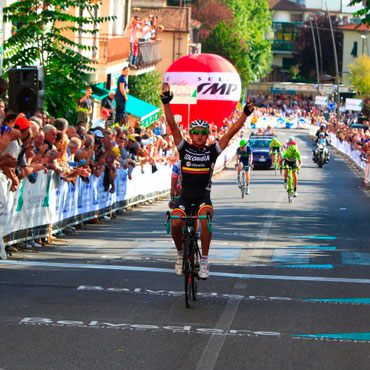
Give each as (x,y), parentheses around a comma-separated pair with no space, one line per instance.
(276,144)
(291,157)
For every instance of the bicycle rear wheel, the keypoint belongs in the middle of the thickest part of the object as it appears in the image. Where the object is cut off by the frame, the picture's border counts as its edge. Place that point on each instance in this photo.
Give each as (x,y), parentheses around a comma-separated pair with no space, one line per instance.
(276,166)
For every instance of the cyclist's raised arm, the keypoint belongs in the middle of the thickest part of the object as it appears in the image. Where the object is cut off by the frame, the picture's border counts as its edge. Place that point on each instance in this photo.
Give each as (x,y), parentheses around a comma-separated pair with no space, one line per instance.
(247,111)
(166,97)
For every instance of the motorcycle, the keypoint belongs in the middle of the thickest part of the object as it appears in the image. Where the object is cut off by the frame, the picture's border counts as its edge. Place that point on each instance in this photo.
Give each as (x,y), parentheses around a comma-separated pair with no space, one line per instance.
(321,153)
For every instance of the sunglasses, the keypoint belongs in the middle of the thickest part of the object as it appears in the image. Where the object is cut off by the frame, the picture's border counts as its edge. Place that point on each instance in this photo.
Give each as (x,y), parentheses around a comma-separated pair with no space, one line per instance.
(199,132)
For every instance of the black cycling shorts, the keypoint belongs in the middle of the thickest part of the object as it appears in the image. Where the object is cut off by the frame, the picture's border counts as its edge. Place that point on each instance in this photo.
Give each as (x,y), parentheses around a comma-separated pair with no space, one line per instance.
(190,197)
(289,164)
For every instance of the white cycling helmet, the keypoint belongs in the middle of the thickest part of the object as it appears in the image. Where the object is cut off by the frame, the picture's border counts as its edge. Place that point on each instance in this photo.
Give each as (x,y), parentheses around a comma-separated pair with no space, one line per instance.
(291,138)
(323,125)
(199,123)
(321,134)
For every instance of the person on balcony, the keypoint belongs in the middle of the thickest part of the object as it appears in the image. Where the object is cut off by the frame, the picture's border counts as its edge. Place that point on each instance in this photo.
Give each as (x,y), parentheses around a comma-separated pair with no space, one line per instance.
(132,29)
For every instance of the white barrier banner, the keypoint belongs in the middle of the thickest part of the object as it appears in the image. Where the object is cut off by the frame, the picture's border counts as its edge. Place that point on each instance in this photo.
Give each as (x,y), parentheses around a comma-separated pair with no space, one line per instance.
(354,104)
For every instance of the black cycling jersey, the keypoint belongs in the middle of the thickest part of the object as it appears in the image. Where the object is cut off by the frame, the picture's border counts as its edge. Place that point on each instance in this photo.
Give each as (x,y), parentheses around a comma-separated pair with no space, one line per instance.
(244,155)
(197,165)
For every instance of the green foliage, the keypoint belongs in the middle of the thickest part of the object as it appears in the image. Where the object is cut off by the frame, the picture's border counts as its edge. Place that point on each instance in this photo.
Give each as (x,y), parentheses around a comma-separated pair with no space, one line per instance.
(146,87)
(360,75)
(39,37)
(223,42)
(243,41)
(364,13)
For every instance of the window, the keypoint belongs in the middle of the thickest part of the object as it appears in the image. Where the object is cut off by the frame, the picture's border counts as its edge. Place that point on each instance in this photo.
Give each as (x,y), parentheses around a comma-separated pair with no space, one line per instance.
(296,17)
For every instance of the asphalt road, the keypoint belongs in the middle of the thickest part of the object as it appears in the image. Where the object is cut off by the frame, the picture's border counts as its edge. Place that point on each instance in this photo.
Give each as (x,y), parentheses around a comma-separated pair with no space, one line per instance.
(289,285)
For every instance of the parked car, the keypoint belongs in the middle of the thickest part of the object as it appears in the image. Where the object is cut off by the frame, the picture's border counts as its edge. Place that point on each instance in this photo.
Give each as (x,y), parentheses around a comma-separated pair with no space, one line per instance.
(260,146)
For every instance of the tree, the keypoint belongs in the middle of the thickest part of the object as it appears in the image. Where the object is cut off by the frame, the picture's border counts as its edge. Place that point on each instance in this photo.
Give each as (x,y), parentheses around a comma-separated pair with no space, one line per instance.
(138,86)
(210,13)
(364,13)
(223,42)
(40,38)
(243,41)
(360,75)
(304,51)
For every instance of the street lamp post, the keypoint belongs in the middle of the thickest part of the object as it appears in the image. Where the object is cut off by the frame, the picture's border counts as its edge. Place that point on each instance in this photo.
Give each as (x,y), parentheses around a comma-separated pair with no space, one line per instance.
(335,61)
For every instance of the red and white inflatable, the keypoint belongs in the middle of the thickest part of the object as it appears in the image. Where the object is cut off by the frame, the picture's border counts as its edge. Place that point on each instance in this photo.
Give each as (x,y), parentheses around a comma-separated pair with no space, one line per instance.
(218,87)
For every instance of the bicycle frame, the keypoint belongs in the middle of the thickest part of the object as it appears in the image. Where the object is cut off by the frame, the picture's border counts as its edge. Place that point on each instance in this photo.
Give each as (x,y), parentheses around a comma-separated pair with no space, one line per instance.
(290,186)
(191,252)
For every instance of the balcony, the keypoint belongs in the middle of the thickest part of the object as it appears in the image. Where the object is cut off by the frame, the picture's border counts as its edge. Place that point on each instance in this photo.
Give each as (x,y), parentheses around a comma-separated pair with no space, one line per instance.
(113,49)
(283,36)
(110,49)
(149,54)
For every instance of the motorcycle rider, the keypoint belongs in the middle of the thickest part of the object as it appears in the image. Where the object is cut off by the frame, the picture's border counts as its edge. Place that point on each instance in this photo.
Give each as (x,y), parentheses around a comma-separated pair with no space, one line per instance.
(321,140)
(321,131)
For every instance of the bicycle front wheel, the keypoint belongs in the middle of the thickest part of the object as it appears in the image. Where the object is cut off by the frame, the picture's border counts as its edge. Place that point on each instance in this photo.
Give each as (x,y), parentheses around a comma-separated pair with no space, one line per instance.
(242,185)
(290,189)
(187,271)
(188,287)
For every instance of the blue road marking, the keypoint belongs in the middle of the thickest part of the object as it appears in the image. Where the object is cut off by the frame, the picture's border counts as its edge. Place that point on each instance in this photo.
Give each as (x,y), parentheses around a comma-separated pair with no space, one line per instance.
(340,300)
(290,255)
(350,336)
(316,237)
(313,247)
(232,254)
(355,258)
(308,266)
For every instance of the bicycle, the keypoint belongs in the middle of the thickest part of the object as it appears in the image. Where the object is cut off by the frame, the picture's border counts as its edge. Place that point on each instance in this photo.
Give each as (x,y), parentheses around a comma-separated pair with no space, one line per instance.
(243,185)
(276,164)
(192,255)
(290,186)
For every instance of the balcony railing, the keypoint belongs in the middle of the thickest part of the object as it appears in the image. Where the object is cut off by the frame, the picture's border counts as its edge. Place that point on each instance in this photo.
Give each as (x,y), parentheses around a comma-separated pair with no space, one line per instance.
(113,48)
(149,54)
(283,35)
(282,45)
(109,48)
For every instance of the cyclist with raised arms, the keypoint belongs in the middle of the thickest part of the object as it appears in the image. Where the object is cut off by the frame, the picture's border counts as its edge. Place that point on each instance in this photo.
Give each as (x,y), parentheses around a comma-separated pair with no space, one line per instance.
(197,163)
(292,159)
(244,161)
(275,147)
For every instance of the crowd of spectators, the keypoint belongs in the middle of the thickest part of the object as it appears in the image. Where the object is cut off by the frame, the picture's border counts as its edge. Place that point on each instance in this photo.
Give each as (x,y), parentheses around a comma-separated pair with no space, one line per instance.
(302,106)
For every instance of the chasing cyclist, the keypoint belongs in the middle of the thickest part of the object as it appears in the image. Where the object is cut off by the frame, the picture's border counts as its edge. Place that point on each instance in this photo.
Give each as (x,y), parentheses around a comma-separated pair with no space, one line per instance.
(197,162)
(276,147)
(292,159)
(244,160)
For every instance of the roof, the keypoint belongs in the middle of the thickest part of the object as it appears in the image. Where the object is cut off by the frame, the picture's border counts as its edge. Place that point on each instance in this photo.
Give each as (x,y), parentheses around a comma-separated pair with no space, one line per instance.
(286,5)
(172,18)
(354,27)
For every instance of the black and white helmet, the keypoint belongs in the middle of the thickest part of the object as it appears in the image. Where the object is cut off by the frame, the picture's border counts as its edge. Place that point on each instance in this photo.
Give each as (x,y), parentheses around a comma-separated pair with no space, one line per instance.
(321,134)
(323,125)
(199,123)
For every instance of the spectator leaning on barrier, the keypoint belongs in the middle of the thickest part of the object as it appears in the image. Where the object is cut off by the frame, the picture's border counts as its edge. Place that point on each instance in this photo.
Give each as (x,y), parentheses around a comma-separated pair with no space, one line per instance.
(102,122)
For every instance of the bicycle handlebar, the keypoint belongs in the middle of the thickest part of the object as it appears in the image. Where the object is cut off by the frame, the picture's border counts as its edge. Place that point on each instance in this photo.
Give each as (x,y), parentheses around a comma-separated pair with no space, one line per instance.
(184,217)
(189,217)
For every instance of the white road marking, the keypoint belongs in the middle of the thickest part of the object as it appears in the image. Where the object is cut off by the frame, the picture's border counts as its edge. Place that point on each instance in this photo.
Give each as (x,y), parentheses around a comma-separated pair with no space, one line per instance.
(171,271)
